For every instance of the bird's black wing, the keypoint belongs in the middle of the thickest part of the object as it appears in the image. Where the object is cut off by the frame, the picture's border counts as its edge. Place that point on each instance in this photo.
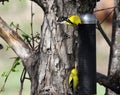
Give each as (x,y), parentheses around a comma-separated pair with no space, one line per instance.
(71,85)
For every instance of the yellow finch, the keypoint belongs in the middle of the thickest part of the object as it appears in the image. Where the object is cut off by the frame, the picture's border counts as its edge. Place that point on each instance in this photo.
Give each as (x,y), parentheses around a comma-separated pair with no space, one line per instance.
(73,79)
(73,20)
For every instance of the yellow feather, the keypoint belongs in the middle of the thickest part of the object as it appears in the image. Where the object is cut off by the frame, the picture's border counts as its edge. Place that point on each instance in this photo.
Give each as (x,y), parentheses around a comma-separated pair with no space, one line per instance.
(73,78)
(74,19)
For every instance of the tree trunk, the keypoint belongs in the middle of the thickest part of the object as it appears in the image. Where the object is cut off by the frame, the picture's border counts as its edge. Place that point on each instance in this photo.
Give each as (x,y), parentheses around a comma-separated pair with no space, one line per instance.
(56,49)
(114,63)
(49,65)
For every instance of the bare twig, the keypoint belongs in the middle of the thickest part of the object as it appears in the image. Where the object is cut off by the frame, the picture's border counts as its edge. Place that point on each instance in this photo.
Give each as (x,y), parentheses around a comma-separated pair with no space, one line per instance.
(105,9)
(22,80)
(107,16)
(103,34)
(32,14)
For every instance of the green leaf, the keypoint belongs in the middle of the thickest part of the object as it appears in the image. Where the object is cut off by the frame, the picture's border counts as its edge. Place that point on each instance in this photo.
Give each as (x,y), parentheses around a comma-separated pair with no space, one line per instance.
(7,47)
(14,70)
(33,14)
(11,24)
(4,74)
(17,59)
(118,40)
(25,36)
(16,63)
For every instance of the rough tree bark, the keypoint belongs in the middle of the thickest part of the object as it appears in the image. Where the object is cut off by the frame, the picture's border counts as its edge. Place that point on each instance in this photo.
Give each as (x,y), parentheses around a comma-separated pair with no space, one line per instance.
(54,61)
(114,63)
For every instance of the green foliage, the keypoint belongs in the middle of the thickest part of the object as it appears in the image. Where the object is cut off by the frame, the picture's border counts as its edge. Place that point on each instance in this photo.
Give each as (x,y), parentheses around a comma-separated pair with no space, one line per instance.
(11,24)
(13,69)
(33,14)
(16,63)
(7,47)
(25,36)
(118,40)
(4,74)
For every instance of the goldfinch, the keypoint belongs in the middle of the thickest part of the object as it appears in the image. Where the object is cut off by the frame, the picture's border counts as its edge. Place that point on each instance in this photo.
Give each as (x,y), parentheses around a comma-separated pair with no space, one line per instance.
(73,79)
(73,20)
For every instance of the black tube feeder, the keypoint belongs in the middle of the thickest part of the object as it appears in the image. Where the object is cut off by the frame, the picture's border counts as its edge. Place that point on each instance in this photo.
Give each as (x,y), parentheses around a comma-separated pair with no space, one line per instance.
(87,55)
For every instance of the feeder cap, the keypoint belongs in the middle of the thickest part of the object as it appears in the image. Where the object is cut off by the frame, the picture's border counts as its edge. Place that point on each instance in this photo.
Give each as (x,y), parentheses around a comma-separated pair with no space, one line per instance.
(88,18)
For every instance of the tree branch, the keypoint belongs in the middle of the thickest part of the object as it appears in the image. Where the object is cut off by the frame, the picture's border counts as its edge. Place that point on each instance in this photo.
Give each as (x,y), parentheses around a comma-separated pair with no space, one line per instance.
(14,40)
(22,49)
(111,82)
(103,34)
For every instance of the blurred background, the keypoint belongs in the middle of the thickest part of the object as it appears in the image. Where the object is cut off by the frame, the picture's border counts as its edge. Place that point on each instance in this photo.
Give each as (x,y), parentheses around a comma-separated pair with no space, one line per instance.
(19,12)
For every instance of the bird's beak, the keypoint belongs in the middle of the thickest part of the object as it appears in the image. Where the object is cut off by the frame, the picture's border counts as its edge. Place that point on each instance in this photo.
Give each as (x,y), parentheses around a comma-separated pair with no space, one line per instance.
(62,22)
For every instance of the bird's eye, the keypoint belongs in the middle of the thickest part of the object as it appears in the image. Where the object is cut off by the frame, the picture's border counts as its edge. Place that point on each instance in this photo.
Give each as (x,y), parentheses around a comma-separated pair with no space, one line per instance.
(69,21)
